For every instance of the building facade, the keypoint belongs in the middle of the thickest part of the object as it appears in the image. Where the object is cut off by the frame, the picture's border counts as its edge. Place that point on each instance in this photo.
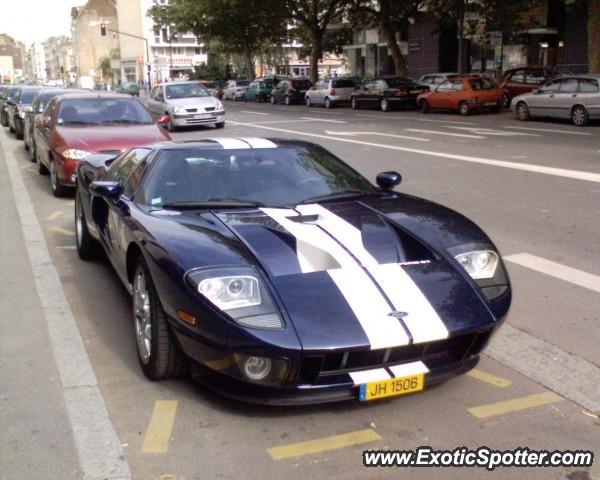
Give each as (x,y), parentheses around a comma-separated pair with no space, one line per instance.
(12,55)
(60,59)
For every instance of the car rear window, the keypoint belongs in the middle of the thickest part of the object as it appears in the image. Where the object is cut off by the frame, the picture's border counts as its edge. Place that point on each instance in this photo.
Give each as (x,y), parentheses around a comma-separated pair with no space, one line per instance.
(482,84)
(345,83)
(301,83)
(588,85)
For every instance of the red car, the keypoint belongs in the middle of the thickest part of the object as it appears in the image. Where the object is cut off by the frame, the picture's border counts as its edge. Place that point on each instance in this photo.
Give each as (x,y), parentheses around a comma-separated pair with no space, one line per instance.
(464,94)
(524,80)
(76,125)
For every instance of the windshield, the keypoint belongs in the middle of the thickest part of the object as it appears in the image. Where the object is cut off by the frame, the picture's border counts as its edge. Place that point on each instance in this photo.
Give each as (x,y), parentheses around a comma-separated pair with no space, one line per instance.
(27,96)
(482,84)
(102,111)
(272,176)
(302,84)
(11,92)
(186,90)
(242,83)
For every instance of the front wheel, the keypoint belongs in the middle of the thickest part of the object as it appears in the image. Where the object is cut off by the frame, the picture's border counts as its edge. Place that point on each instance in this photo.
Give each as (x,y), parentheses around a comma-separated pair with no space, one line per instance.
(157,351)
(579,116)
(328,103)
(287,100)
(58,190)
(463,108)
(273,101)
(87,248)
(308,102)
(424,106)
(522,111)
(33,152)
(505,101)
(384,105)
(220,125)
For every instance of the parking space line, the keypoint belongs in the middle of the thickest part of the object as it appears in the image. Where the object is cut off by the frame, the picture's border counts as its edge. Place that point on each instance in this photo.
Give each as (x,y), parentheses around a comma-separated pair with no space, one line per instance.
(489,378)
(252,111)
(436,132)
(526,167)
(63,231)
(390,117)
(557,270)
(316,119)
(160,427)
(490,131)
(274,121)
(404,137)
(515,405)
(55,215)
(323,444)
(66,247)
(550,130)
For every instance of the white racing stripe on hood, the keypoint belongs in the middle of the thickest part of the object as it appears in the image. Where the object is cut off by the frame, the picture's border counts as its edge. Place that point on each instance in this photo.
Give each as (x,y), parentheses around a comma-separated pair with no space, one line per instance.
(317,251)
(231,143)
(257,142)
(422,320)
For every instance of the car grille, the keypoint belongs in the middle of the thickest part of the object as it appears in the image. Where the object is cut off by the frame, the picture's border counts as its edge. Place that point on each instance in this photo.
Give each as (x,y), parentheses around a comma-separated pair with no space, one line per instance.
(197,121)
(332,367)
(209,109)
(110,152)
(191,110)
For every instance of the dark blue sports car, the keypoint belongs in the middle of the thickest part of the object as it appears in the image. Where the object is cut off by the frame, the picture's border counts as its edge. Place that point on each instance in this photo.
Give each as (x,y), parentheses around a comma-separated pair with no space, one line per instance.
(276,273)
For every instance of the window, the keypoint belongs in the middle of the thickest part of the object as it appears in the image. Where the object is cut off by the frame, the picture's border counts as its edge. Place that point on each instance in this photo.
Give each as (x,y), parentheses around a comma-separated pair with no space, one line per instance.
(50,108)
(102,111)
(154,92)
(343,83)
(198,51)
(129,169)
(568,85)
(550,87)
(518,77)
(457,85)
(445,87)
(588,85)
(186,90)
(535,78)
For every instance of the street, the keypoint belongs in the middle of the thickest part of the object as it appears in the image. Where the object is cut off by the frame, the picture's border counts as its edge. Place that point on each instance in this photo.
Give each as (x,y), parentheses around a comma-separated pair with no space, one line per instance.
(534,187)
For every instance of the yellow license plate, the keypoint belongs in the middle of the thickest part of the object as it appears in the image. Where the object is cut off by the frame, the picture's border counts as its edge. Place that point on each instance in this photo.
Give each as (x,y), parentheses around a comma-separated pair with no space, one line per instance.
(490,104)
(391,387)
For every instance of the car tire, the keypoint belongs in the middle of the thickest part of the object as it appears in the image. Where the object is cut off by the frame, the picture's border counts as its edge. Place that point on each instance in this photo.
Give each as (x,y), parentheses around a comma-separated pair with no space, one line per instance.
(58,190)
(11,129)
(505,101)
(4,119)
(18,134)
(25,145)
(220,125)
(157,349)
(42,170)
(384,105)
(522,112)
(354,103)
(463,108)
(33,152)
(308,102)
(424,106)
(287,101)
(273,101)
(87,247)
(169,126)
(328,103)
(579,116)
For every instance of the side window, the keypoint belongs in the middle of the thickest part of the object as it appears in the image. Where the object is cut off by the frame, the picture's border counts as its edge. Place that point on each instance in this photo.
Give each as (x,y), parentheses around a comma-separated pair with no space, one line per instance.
(371,85)
(17,97)
(49,110)
(457,85)
(129,169)
(154,92)
(550,87)
(160,94)
(35,106)
(518,77)
(588,85)
(534,78)
(568,85)
(445,86)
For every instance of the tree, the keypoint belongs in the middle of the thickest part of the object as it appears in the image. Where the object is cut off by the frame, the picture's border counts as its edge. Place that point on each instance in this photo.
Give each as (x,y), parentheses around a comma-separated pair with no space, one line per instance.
(315,16)
(105,68)
(240,27)
(389,16)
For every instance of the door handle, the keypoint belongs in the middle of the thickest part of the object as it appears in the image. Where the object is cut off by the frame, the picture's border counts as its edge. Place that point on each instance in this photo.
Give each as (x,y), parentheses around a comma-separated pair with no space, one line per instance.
(552,96)
(574,95)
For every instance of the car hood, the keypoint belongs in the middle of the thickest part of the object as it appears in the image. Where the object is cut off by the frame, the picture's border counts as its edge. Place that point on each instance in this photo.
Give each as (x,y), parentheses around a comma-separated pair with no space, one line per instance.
(110,137)
(348,276)
(194,102)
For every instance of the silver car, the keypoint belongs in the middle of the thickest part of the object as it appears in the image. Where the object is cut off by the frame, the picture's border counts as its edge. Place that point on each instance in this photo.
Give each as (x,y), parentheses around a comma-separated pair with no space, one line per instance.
(330,92)
(432,80)
(186,104)
(575,97)
(234,90)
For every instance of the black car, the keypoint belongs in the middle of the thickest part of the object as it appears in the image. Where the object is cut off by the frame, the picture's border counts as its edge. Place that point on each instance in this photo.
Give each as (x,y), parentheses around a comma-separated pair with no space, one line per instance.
(5,101)
(20,106)
(280,275)
(290,91)
(385,93)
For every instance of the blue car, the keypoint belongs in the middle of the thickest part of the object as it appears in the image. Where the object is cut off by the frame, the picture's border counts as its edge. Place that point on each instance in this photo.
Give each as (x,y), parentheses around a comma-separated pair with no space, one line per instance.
(273,272)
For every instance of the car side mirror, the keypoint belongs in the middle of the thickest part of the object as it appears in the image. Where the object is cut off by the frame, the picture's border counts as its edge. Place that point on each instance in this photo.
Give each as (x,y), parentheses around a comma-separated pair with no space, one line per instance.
(163,120)
(388,180)
(108,190)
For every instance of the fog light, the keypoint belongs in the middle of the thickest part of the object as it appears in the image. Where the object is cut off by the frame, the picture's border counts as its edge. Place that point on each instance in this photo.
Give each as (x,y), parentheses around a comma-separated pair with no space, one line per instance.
(257,368)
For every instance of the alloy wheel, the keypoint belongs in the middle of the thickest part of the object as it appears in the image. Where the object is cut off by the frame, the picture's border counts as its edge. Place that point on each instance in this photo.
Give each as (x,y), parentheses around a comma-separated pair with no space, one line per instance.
(142,317)
(78,221)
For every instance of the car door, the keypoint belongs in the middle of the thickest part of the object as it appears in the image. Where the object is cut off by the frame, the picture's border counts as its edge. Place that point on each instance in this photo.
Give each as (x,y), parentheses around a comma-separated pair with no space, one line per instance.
(42,132)
(316,92)
(370,93)
(441,95)
(565,98)
(589,95)
(542,102)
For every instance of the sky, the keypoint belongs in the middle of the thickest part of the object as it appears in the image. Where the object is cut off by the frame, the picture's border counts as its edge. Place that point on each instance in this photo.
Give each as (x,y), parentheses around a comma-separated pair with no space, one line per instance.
(36,20)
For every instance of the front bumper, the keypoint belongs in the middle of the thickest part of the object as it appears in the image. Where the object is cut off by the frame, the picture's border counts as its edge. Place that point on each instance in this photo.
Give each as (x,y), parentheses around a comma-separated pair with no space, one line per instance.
(182,120)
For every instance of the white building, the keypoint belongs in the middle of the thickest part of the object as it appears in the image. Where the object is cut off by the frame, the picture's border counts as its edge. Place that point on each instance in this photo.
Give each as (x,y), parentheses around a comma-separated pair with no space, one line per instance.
(38,61)
(167,57)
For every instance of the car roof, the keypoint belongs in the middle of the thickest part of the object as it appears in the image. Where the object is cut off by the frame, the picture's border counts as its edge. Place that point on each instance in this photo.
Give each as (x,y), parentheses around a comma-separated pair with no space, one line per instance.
(228,143)
(199,82)
(83,95)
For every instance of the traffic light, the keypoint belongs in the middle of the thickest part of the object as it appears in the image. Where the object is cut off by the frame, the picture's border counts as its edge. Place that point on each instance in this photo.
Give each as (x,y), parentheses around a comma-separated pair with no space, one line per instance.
(103,29)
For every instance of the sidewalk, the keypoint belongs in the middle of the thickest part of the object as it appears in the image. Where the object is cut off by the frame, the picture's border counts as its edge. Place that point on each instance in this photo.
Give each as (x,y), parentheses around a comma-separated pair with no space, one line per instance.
(36,440)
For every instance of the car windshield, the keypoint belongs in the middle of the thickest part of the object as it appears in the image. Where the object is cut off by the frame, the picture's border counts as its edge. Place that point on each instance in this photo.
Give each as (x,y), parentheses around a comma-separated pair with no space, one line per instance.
(399,82)
(27,96)
(286,175)
(242,83)
(10,93)
(102,111)
(302,84)
(345,83)
(186,90)
(482,84)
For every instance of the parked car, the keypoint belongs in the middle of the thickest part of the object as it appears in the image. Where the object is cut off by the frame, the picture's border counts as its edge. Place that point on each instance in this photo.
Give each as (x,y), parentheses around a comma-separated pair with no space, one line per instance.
(576,98)
(37,108)
(186,104)
(386,92)
(7,95)
(19,108)
(290,91)
(524,80)
(130,88)
(464,94)
(214,87)
(432,80)
(283,276)
(259,90)
(330,92)
(76,125)
(234,89)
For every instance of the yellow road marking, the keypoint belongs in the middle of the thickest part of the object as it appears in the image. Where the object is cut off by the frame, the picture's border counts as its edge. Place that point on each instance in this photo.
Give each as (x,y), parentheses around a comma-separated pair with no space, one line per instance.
(67,247)
(514,405)
(64,231)
(71,203)
(489,378)
(323,444)
(55,215)
(160,427)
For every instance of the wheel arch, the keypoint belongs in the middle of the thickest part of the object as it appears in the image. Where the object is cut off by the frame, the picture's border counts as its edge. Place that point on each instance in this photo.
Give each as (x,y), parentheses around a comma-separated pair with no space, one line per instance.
(133,253)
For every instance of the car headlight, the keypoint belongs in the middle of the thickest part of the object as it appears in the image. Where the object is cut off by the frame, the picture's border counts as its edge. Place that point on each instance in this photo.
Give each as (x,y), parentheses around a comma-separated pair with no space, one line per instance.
(479,263)
(21,114)
(74,154)
(179,110)
(241,293)
(218,105)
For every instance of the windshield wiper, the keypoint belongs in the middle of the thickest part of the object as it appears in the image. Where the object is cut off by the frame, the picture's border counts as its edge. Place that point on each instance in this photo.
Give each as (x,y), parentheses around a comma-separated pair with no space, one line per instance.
(336,196)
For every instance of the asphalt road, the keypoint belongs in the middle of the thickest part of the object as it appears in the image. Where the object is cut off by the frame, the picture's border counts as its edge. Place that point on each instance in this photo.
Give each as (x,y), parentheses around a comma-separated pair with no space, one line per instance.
(534,187)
